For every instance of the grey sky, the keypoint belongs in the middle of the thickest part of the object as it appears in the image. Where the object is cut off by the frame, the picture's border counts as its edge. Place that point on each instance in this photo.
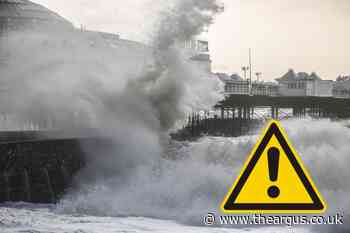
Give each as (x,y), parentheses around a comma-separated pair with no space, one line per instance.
(308,35)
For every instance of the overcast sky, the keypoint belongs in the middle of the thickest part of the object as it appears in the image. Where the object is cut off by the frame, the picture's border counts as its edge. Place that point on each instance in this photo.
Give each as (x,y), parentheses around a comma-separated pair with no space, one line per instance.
(308,35)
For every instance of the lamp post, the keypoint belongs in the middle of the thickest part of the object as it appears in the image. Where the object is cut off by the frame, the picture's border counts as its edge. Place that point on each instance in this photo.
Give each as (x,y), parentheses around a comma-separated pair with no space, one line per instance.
(250,70)
(258,75)
(245,69)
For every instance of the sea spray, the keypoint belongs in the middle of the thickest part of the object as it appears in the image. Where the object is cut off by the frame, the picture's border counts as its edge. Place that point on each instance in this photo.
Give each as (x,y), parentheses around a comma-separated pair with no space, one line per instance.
(198,174)
(324,148)
(184,185)
(65,79)
(76,80)
(139,118)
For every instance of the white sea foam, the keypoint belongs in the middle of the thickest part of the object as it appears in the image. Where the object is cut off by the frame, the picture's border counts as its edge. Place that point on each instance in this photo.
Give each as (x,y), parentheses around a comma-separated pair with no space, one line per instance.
(26,218)
(191,179)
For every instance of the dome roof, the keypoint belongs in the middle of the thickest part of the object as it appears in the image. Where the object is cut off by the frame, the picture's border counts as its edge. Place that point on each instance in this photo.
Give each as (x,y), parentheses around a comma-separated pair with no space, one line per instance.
(24,12)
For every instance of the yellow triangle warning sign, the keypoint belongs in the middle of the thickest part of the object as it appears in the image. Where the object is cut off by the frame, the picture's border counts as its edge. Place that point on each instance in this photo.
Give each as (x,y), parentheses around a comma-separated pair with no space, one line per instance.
(273,180)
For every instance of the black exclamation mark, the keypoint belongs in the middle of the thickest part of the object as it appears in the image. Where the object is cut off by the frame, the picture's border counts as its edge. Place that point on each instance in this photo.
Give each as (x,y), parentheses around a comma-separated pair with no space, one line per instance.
(273,155)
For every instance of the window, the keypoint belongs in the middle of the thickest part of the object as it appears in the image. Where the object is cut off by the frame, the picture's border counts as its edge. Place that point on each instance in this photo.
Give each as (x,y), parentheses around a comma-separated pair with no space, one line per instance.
(301,85)
(292,85)
(202,46)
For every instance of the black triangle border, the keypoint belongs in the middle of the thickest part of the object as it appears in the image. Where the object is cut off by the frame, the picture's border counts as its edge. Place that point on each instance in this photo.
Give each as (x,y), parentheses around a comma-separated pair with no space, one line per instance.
(230,204)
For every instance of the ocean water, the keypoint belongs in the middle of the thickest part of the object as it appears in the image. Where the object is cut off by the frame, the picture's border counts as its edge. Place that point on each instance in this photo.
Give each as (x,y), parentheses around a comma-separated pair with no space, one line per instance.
(126,193)
(26,218)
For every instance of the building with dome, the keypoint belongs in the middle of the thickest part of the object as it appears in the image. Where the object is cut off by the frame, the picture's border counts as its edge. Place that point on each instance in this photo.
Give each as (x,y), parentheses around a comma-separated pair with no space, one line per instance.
(24,14)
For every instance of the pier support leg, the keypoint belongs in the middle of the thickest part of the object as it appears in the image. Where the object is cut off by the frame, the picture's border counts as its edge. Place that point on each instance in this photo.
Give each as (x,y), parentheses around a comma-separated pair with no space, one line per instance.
(27,189)
(49,185)
(65,174)
(7,187)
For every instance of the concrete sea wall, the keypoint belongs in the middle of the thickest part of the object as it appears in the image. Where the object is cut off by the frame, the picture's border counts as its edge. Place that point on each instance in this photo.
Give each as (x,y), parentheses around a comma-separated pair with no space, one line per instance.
(39,171)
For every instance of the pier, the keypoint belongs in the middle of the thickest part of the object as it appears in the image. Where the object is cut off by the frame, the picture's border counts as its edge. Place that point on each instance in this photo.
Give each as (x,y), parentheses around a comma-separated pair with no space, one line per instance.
(238,114)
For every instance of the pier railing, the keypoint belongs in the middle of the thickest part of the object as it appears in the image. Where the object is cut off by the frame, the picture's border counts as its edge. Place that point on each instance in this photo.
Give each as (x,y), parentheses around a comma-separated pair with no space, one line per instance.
(229,126)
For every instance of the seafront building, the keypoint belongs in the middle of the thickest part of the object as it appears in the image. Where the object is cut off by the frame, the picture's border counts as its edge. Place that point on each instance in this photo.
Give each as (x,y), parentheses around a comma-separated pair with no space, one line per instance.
(342,87)
(236,85)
